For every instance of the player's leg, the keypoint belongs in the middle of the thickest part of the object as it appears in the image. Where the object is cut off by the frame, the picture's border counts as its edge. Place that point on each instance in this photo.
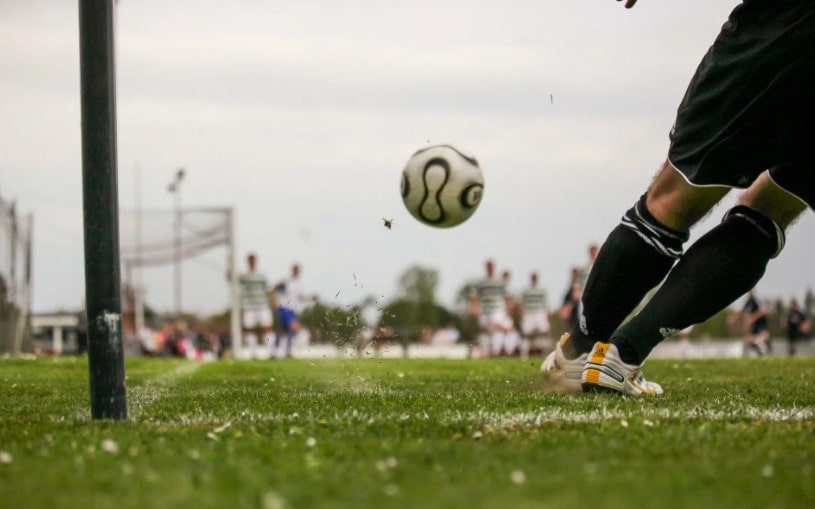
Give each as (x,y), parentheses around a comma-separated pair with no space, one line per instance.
(635,257)
(497,334)
(722,265)
(291,332)
(765,341)
(526,345)
(484,336)
(749,345)
(638,254)
(266,326)
(249,333)
(752,345)
(496,342)
(748,108)
(512,342)
(483,349)
(792,344)
(529,334)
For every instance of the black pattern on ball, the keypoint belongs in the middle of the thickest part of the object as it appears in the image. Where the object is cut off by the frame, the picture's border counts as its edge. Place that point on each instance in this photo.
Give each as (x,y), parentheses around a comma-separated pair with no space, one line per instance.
(442,186)
(471,196)
(435,162)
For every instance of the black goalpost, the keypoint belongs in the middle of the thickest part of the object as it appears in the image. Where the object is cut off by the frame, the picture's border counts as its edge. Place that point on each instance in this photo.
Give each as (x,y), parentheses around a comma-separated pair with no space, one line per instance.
(100,209)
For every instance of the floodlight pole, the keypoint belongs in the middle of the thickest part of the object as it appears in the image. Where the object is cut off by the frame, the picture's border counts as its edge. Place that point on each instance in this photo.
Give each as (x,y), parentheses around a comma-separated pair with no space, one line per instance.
(101,211)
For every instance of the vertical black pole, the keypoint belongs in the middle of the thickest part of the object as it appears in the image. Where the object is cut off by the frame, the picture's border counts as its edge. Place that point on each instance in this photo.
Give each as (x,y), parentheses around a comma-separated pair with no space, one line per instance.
(101,211)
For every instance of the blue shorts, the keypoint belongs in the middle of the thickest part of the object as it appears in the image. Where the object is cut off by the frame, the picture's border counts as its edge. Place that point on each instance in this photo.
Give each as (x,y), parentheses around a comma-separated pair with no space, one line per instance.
(287,317)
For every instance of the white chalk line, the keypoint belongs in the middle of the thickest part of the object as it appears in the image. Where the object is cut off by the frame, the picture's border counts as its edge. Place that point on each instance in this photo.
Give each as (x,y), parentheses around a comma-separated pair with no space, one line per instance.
(532,419)
(141,396)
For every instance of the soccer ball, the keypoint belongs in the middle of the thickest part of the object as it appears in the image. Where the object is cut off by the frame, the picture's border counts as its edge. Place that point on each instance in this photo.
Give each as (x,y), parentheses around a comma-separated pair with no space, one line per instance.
(442,186)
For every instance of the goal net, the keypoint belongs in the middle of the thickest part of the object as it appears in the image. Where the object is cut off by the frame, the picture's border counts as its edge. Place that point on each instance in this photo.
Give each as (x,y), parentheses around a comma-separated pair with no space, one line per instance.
(178,261)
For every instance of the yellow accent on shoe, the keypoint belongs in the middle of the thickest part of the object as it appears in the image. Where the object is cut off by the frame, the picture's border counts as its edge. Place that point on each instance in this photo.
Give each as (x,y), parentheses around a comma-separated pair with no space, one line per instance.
(599,352)
(606,372)
(632,379)
(564,338)
(592,376)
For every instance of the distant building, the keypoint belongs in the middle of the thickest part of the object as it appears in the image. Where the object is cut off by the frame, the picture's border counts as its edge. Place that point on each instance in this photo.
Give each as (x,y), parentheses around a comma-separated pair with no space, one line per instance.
(58,333)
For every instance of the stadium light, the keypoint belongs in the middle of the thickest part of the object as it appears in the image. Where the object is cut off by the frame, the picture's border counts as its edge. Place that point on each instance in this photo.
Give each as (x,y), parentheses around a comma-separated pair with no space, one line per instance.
(175,188)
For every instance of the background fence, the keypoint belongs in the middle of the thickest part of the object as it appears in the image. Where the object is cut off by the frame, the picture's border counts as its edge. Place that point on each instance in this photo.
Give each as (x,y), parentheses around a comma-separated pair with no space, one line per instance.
(15,277)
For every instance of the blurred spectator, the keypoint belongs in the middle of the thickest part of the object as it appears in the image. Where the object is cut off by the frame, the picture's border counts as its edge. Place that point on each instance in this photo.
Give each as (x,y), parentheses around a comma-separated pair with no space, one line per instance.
(570,308)
(593,251)
(796,325)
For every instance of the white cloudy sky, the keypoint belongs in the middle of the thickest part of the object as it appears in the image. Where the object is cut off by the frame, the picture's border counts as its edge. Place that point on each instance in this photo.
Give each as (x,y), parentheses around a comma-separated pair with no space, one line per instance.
(301,115)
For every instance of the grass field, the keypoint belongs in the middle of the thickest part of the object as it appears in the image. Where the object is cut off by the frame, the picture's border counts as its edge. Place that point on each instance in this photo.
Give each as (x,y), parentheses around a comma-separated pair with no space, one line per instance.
(361,433)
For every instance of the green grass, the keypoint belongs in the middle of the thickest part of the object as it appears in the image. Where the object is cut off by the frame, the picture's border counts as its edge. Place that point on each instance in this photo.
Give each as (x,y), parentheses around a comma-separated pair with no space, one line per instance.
(391,433)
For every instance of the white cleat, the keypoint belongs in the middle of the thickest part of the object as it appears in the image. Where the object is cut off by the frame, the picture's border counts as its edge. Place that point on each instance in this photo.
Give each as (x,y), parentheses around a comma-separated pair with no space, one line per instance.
(606,372)
(562,374)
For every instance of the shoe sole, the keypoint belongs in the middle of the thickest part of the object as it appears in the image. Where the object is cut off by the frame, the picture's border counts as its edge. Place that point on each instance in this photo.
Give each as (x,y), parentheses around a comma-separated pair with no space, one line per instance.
(598,389)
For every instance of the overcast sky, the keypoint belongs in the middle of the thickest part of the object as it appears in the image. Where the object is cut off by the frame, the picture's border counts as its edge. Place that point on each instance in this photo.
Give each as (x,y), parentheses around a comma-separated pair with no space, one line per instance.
(302,114)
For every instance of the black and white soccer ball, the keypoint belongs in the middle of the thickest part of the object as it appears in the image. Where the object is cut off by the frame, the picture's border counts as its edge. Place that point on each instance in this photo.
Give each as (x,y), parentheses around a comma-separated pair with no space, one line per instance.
(442,186)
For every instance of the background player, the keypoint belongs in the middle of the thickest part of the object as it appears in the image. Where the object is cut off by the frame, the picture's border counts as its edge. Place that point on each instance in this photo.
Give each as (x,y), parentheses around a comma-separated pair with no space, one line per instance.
(797,326)
(257,318)
(509,341)
(289,301)
(534,316)
(490,301)
(756,327)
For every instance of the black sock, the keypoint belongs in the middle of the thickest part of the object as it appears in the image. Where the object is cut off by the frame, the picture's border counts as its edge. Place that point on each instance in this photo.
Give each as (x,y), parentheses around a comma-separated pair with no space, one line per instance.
(721,266)
(635,257)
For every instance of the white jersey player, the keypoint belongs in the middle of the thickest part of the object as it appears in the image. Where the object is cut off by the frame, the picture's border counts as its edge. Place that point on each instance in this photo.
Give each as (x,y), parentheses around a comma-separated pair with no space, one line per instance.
(510,343)
(257,318)
(535,314)
(290,300)
(492,315)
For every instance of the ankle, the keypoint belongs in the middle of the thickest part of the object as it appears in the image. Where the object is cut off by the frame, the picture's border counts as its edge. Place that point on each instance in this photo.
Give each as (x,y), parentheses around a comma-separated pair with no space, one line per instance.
(628,354)
(576,346)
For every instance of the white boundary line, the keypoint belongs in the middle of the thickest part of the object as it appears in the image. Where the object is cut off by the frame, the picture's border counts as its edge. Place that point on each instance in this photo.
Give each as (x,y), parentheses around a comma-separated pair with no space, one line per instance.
(142,396)
(540,418)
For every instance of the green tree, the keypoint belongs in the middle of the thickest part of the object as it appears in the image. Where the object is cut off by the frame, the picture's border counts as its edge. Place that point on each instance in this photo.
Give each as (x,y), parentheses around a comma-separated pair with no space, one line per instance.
(416,308)
(714,327)
(418,284)
(331,323)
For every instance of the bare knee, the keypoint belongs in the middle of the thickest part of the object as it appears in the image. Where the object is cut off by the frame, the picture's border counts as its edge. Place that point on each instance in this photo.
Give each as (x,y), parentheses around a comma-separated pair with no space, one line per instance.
(767,197)
(676,203)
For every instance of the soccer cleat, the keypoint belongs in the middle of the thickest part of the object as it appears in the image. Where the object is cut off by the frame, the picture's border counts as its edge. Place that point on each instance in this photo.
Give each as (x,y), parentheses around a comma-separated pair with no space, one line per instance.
(606,372)
(562,374)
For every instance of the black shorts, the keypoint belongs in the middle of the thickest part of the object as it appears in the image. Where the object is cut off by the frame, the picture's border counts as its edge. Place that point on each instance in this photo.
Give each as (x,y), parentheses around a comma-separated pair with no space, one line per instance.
(758,328)
(750,106)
